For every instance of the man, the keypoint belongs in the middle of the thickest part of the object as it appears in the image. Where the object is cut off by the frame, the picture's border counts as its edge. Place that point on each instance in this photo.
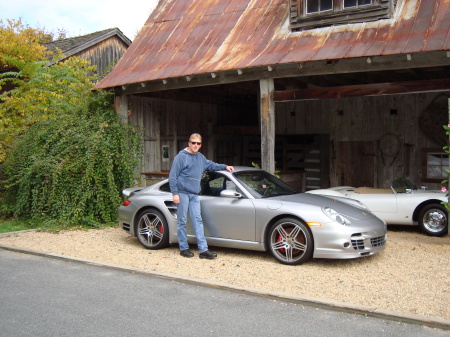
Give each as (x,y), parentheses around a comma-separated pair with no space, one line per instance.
(184,179)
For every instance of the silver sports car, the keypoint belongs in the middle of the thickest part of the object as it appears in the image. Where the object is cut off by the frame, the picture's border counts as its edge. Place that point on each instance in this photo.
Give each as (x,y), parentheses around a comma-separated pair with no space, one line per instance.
(252,209)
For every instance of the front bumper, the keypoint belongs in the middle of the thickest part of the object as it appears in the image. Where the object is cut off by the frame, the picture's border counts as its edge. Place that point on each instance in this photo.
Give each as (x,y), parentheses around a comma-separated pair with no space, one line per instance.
(352,242)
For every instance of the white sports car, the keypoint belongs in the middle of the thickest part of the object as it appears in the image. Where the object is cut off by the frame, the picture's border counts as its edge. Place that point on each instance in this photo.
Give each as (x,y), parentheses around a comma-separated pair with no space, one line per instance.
(401,204)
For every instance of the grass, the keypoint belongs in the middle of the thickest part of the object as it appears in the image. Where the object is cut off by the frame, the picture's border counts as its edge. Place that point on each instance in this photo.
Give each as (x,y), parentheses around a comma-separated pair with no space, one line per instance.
(13,225)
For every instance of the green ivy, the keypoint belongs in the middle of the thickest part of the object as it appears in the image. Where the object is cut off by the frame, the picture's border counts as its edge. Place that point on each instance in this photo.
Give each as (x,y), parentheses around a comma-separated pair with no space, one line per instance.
(71,168)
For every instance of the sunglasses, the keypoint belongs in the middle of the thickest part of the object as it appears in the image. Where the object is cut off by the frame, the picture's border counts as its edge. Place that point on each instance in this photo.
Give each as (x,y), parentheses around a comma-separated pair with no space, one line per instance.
(196,143)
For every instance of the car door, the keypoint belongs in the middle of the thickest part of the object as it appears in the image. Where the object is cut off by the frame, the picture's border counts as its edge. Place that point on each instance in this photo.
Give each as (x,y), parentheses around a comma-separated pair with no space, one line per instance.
(225,218)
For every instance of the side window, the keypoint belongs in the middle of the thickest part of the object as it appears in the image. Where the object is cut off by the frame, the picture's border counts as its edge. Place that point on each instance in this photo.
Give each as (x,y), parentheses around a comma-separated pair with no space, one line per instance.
(213,183)
(165,187)
(435,163)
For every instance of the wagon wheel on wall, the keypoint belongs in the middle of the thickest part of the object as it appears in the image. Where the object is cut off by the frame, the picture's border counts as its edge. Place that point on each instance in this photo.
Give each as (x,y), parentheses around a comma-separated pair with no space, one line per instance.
(389,145)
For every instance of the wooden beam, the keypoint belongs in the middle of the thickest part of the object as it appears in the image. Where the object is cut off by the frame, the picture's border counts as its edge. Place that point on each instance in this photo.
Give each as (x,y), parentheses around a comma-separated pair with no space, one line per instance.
(267,108)
(363,90)
(314,68)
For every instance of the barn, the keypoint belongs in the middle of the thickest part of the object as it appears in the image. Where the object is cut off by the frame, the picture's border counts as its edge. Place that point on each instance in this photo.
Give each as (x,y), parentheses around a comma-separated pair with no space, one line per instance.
(103,48)
(328,93)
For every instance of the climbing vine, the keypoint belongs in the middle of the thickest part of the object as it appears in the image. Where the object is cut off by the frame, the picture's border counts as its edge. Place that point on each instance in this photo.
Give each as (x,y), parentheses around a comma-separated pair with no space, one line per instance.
(71,168)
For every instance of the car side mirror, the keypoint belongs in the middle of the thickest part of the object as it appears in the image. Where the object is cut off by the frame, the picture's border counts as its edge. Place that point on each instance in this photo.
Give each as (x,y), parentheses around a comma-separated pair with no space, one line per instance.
(231,194)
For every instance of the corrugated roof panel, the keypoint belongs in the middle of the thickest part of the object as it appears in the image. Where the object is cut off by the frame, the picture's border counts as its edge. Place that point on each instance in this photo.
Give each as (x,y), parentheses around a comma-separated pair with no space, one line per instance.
(206,50)
(400,33)
(144,57)
(338,43)
(305,48)
(422,24)
(439,32)
(218,7)
(272,43)
(246,47)
(367,37)
(200,36)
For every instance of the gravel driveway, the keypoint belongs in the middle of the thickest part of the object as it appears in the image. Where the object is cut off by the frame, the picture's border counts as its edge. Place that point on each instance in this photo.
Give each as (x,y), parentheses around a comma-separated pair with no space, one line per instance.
(410,276)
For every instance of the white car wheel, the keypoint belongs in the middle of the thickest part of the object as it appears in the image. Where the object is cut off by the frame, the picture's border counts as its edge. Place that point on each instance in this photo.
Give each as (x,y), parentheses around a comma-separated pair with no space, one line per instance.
(433,220)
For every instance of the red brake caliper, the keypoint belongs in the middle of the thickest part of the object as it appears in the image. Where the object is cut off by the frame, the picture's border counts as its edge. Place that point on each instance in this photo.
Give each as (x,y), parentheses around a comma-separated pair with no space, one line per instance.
(279,238)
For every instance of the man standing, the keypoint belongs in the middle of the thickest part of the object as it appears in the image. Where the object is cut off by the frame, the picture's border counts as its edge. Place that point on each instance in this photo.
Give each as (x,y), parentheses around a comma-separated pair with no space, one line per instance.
(184,179)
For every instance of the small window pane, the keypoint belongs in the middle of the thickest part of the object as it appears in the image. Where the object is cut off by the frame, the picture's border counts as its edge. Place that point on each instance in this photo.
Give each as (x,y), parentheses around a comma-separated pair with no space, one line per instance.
(326,5)
(437,163)
(354,3)
(313,6)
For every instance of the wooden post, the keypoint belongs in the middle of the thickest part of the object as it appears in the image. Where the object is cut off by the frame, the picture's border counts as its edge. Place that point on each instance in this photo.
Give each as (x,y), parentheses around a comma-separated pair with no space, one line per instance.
(267,108)
(121,107)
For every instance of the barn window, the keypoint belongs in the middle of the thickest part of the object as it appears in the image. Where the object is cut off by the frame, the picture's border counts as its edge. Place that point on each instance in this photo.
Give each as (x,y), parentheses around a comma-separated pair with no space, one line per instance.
(435,164)
(307,14)
(314,6)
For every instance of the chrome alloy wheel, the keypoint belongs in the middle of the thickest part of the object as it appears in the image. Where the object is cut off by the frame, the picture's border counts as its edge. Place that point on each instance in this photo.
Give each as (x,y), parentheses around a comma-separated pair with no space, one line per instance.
(152,231)
(290,241)
(434,220)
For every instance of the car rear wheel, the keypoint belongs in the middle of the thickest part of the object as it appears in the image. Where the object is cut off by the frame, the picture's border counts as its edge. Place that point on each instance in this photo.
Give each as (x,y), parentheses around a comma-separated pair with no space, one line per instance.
(433,220)
(152,230)
(290,241)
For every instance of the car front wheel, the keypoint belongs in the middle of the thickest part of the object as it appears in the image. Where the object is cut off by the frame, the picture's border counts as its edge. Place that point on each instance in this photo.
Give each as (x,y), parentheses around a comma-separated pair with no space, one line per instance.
(433,220)
(152,230)
(290,241)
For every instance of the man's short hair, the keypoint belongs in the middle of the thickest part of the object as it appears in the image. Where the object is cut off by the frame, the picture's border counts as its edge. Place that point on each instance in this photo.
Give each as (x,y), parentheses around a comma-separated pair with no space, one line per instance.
(195,135)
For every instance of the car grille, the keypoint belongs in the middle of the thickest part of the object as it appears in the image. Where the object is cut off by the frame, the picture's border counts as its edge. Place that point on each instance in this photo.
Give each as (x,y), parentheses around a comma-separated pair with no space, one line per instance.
(377,242)
(358,242)
(126,227)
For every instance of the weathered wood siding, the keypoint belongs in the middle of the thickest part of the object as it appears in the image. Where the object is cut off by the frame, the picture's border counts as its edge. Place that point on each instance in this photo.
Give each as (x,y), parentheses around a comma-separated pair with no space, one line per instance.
(351,141)
(104,54)
(170,123)
(389,122)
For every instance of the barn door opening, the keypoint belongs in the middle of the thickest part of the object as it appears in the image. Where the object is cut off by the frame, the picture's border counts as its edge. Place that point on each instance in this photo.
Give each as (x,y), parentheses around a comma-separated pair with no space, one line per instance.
(357,163)
(306,153)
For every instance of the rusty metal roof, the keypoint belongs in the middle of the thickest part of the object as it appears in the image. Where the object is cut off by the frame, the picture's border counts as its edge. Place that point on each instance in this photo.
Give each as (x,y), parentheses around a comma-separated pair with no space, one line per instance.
(183,38)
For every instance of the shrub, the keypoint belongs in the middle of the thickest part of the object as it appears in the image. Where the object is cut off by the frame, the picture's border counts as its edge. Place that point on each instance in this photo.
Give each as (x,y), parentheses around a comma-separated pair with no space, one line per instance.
(73,166)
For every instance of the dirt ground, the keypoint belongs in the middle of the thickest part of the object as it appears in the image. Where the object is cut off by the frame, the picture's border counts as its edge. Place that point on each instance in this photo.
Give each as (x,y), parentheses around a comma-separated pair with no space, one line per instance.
(410,276)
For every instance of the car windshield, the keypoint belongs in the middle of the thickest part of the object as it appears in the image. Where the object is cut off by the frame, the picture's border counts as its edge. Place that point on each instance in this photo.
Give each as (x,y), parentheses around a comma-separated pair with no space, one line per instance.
(262,184)
(401,185)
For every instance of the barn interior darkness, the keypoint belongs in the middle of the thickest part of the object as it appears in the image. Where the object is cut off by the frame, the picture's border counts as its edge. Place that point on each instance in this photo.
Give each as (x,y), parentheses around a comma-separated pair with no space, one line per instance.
(238,134)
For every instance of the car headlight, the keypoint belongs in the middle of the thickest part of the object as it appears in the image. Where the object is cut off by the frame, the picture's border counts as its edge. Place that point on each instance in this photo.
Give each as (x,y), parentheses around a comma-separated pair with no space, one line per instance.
(335,216)
(361,205)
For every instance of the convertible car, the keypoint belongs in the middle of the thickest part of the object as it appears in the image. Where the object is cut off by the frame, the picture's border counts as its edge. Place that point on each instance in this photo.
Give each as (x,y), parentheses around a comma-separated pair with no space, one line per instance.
(401,204)
(252,209)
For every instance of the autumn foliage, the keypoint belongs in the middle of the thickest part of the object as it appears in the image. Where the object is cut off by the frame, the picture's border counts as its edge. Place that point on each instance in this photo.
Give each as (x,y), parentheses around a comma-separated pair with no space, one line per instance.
(22,43)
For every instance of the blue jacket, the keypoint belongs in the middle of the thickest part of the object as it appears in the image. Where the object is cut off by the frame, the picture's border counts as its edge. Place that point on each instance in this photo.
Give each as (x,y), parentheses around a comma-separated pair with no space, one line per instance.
(187,169)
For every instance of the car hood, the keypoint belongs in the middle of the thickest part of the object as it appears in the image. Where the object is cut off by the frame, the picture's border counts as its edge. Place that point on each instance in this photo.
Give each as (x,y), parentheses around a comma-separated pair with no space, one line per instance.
(345,206)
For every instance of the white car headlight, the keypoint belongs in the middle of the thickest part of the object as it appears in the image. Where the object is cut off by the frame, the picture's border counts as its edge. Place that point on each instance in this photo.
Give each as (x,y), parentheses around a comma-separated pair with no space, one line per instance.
(335,216)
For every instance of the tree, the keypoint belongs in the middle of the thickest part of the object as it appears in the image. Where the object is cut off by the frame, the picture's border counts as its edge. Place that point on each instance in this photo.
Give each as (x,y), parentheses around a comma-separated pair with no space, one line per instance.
(67,155)
(39,92)
(22,43)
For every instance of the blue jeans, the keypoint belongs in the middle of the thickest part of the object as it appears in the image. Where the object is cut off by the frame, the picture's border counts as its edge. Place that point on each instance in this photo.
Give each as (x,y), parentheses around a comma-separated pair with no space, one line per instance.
(190,202)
